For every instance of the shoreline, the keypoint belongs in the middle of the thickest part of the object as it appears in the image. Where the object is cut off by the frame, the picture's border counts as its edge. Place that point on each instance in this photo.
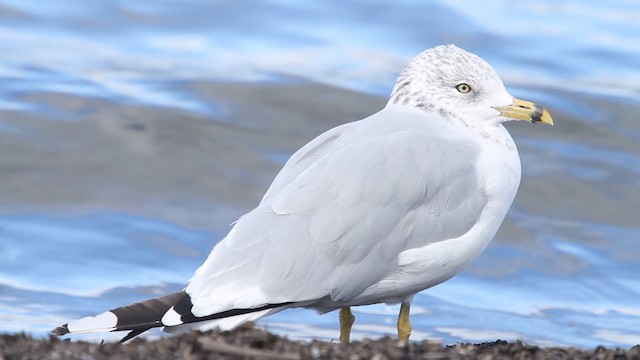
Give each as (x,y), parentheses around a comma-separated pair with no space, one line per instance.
(250,342)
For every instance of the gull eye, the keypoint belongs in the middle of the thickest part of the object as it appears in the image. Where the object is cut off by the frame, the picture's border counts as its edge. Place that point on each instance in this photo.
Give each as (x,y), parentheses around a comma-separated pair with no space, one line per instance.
(463,88)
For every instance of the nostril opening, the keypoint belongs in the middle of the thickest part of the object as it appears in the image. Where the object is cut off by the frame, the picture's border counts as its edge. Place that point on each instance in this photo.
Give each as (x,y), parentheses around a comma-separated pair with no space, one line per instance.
(523,107)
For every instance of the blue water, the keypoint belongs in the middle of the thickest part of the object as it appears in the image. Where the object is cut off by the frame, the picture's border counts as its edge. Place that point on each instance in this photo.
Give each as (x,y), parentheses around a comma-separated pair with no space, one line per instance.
(562,271)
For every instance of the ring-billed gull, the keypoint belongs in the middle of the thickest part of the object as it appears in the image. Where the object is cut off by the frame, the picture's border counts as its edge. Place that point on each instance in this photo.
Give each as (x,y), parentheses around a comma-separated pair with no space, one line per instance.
(372,211)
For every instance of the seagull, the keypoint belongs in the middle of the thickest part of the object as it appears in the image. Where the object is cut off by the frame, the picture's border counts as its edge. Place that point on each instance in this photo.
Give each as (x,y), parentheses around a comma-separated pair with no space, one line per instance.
(372,211)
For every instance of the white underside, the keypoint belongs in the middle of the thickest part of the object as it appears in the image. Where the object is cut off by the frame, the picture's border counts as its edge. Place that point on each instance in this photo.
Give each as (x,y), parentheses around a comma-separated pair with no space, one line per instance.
(222,324)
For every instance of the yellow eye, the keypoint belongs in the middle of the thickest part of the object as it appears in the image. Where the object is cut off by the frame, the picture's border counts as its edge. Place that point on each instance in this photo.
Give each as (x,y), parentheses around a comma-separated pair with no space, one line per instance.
(463,88)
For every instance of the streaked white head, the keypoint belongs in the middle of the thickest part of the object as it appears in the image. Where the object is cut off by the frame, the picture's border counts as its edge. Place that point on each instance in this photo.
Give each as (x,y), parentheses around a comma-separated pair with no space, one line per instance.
(457,83)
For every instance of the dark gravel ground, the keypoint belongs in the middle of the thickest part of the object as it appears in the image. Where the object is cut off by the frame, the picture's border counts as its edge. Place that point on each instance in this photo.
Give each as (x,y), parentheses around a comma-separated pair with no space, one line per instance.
(249,342)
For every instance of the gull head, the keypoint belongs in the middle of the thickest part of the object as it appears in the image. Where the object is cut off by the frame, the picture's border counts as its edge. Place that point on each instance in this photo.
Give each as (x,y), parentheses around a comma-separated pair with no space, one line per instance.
(461,85)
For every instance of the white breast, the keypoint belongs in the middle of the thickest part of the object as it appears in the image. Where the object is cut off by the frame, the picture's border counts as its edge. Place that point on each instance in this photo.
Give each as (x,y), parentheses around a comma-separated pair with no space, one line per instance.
(422,268)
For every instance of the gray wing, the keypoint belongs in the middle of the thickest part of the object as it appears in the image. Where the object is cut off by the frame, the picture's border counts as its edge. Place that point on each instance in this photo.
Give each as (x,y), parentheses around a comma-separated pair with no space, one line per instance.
(307,156)
(341,211)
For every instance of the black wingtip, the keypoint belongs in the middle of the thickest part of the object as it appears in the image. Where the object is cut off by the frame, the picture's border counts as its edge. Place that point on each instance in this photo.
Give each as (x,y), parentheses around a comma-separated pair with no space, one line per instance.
(61,330)
(132,334)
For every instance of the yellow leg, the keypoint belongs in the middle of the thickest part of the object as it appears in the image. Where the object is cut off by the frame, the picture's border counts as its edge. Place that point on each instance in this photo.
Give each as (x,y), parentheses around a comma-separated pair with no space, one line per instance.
(404,324)
(346,321)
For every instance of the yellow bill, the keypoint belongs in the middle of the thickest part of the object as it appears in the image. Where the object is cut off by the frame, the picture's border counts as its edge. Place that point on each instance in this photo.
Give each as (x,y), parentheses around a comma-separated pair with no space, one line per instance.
(527,111)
